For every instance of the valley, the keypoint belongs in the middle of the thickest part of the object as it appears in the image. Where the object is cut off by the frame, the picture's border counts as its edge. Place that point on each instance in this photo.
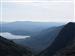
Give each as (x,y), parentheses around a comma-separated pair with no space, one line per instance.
(51,41)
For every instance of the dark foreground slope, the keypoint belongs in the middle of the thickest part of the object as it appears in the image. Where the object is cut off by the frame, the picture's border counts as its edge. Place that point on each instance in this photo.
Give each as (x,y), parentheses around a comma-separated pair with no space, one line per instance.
(9,48)
(65,36)
(69,50)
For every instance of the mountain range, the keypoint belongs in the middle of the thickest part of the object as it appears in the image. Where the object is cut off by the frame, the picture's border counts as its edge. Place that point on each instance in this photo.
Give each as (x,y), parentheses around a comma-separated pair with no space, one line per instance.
(26,27)
(47,42)
(41,40)
(52,41)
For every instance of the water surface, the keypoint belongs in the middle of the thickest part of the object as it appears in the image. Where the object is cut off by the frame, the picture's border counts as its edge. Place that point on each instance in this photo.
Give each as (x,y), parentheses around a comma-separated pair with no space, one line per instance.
(11,36)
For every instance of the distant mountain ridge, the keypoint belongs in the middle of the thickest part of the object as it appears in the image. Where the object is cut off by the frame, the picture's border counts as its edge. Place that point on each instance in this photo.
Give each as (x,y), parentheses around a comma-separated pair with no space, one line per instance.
(26,27)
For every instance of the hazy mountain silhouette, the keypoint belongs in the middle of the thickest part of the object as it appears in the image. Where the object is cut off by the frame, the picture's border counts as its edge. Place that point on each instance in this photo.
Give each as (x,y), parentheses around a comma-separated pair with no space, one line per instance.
(26,27)
(65,36)
(9,48)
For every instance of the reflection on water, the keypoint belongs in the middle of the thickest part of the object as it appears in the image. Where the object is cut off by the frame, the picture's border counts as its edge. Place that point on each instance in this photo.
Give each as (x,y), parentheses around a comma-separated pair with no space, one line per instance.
(11,36)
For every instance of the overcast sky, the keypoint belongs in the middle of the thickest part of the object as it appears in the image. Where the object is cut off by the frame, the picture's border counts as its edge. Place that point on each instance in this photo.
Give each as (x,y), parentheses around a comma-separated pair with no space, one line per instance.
(38,11)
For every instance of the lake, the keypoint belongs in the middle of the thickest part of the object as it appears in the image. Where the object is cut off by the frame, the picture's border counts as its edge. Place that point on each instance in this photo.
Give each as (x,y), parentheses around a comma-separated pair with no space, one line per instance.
(11,36)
